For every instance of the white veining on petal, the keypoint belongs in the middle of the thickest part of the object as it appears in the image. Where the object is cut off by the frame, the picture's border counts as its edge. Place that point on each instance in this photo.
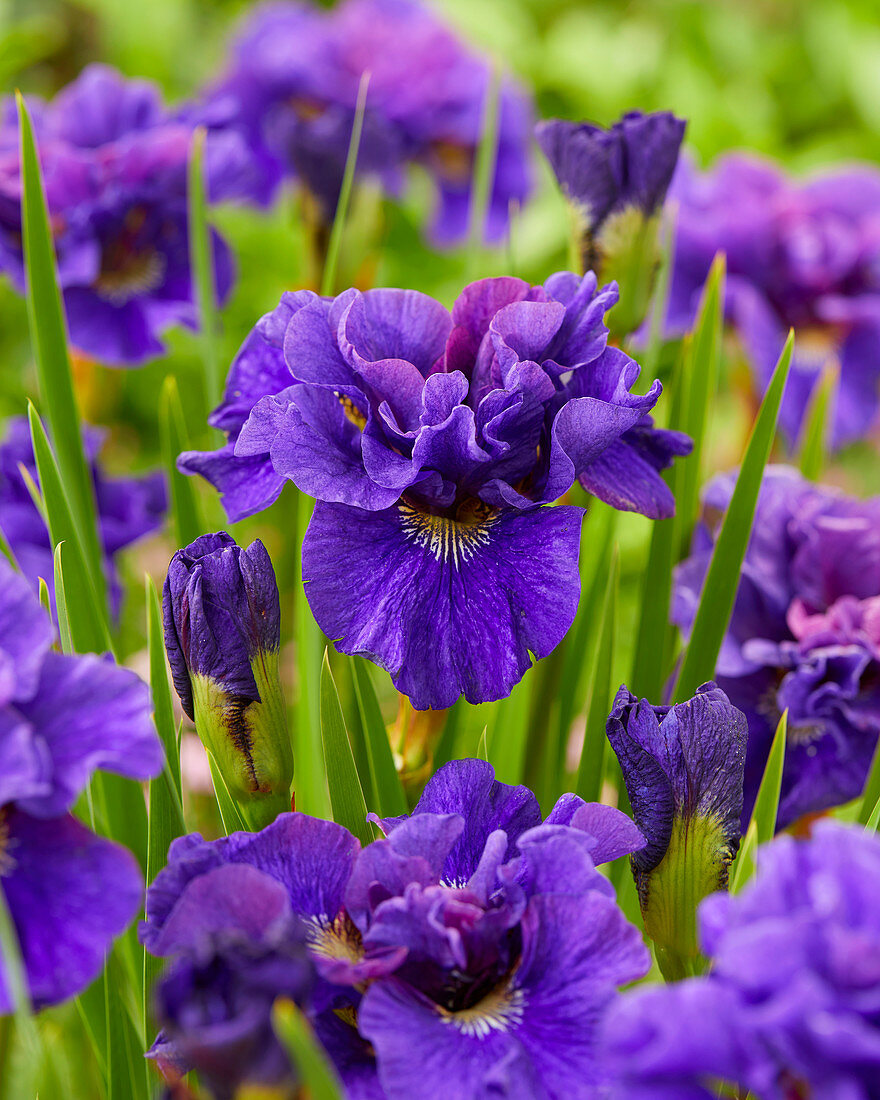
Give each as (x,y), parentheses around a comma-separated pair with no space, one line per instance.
(458,539)
(334,939)
(500,1010)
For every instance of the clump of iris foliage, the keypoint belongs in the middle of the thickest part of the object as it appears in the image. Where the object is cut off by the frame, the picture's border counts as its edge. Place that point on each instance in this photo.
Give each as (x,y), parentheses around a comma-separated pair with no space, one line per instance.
(440,585)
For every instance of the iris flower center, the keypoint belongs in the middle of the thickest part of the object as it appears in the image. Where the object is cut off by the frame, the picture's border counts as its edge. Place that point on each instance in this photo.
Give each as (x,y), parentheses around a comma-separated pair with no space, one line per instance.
(501,1009)
(352,412)
(335,939)
(130,266)
(452,162)
(457,538)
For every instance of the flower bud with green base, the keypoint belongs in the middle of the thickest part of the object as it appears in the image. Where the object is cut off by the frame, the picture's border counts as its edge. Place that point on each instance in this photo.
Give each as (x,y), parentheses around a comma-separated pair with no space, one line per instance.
(222,632)
(683,769)
(616,182)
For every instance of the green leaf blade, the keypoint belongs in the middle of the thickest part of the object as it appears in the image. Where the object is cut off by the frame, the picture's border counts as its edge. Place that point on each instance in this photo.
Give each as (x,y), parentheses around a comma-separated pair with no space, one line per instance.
(346,794)
(49,339)
(592,763)
(89,629)
(334,246)
(767,802)
(816,431)
(315,1072)
(722,579)
(201,253)
(387,788)
(701,387)
(185,513)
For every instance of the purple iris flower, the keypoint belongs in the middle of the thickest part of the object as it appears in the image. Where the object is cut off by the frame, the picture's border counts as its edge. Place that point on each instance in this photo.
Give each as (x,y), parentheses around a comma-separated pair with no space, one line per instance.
(471,950)
(291,88)
(128,507)
(803,635)
(616,179)
(115,167)
(433,442)
(791,1008)
(237,948)
(61,718)
(802,255)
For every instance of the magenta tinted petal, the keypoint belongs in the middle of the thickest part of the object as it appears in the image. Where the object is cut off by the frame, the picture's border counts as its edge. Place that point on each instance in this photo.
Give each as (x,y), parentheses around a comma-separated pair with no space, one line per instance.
(447,610)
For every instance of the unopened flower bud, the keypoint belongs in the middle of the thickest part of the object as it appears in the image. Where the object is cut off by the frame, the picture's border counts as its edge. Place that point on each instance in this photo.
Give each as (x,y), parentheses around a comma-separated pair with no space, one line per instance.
(222,631)
(616,182)
(683,769)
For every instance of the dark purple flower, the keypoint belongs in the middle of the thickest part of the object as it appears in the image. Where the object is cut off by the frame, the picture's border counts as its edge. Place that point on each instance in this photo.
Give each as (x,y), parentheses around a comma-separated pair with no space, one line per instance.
(62,718)
(474,945)
(432,443)
(616,181)
(291,88)
(683,769)
(237,949)
(803,635)
(800,255)
(128,507)
(115,164)
(791,1007)
(222,619)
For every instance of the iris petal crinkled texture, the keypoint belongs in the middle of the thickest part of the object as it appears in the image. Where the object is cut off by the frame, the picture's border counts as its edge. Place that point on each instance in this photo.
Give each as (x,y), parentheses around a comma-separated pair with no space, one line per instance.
(115,162)
(62,717)
(433,442)
(473,941)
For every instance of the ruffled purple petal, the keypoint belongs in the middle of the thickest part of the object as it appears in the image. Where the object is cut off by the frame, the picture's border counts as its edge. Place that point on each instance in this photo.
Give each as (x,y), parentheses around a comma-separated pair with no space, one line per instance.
(69,893)
(91,714)
(448,609)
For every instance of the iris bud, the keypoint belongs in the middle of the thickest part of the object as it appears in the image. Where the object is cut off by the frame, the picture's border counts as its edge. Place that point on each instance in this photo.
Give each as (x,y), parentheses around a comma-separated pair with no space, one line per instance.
(683,768)
(616,182)
(222,621)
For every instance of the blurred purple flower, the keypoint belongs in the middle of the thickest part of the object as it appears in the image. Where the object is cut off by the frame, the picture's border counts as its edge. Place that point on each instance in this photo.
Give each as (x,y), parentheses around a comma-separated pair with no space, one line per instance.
(128,507)
(466,952)
(791,1007)
(237,948)
(62,718)
(804,634)
(291,88)
(432,442)
(115,167)
(799,254)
